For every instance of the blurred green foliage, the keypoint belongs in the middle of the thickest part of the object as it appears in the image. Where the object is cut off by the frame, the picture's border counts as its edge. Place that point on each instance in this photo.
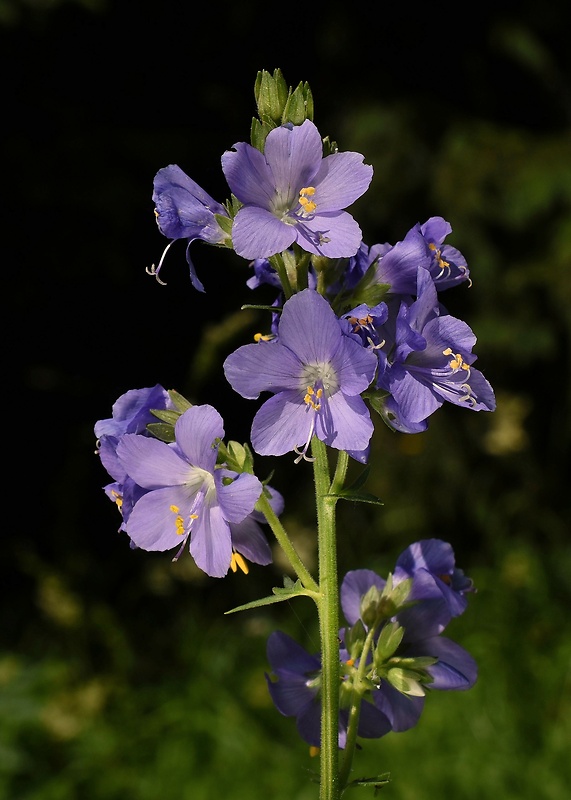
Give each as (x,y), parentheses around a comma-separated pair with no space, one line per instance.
(120,676)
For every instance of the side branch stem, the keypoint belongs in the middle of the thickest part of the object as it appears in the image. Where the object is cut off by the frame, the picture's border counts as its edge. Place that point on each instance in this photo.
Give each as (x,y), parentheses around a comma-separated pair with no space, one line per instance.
(285,543)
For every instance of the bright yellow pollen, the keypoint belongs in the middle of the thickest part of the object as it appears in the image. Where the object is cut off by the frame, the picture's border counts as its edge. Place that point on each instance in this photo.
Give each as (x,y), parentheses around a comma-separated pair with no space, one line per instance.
(118,499)
(179,522)
(350,662)
(238,560)
(262,337)
(308,399)
(308,205)
(457,362)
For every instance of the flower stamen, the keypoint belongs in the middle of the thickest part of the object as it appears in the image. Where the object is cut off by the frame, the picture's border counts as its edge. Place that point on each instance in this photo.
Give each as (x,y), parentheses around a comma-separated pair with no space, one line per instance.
(457,362)
(238,561)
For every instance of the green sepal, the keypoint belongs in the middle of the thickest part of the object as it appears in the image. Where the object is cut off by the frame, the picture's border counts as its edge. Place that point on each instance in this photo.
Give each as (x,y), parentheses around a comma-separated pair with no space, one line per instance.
(181,403)
(165,415)
(406,681)
(271,93)
(226,225)
(376,398)
(237,457)
(162,431)
(394,598)
(279,594)
(299,105)
(258,133)
(355,639)
(389,639)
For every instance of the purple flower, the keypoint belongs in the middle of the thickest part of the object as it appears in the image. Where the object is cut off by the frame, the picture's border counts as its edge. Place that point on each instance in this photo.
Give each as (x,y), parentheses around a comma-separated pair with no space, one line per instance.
(397,265)
(296,693)
(187,497)
(427,359)
(185,211)
(131,413)
(290,193)
(316,374)
(423,622)
(248,538)
(435,558)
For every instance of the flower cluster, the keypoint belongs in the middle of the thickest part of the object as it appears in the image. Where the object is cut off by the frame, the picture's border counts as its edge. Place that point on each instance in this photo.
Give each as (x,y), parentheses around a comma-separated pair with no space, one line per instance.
(350,320)
(173,492)
(392,652)
(352,329)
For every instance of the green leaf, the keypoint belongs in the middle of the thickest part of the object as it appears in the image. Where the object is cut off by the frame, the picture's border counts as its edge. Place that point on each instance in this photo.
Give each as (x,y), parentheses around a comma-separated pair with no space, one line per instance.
(279,594)
(356,497)
(376,782)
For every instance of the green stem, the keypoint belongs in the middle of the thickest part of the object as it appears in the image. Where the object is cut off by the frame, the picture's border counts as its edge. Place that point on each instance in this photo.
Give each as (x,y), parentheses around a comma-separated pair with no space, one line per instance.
(285,543)
(355,712)
(278,264)
(328,607)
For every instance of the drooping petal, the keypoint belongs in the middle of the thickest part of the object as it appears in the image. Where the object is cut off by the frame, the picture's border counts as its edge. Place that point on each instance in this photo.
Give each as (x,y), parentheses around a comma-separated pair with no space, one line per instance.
(402,710)
(264,366)
(455,670)
(281,424)
(248,539)
(416,401)
(196,431)
(283,652)
(211,541)
(373,722)
(152,463)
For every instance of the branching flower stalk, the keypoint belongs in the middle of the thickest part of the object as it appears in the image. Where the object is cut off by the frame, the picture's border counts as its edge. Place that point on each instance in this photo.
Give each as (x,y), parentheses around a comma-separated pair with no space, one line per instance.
(353,330)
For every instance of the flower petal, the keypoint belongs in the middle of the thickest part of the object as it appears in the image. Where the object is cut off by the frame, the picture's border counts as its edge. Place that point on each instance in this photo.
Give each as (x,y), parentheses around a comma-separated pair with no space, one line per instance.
(334,234)
(257,233)
(238,498)
(342,178)
(281,424)
(211,541)
(264,366)
(195,433)
(152,524)
(151,463)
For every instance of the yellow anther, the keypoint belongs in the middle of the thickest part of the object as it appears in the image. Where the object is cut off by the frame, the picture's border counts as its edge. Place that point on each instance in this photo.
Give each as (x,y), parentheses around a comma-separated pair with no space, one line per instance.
(117,498)
(263,337)
(308,205)
(350,662)
(308,399)
(313,751)
(457,362)
(238,560)
(174,509)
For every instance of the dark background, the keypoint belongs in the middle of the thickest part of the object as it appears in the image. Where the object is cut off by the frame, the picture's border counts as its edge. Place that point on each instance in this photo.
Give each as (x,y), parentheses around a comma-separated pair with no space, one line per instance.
(464,114)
